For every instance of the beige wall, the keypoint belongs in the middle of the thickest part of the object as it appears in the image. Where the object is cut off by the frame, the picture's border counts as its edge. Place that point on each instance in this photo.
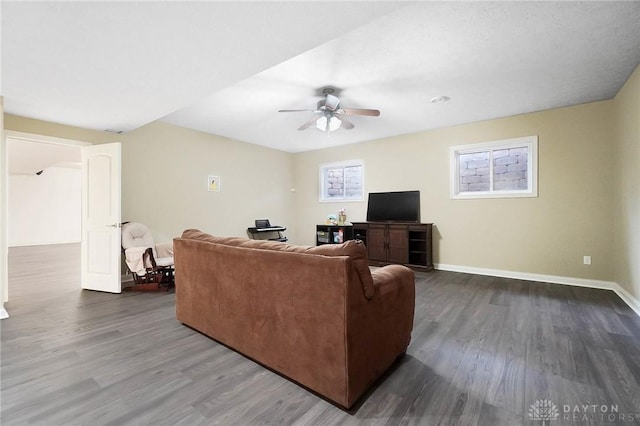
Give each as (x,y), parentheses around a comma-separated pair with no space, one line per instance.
(165,170)
(550,234)
(164,176)
(627,186)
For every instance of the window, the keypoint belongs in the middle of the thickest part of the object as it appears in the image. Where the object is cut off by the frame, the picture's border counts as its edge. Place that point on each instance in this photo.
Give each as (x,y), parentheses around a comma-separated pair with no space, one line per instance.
(342,181)
(499,169)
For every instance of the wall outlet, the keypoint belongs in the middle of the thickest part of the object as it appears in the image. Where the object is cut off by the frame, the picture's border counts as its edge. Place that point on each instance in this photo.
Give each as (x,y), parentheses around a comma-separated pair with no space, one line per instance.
(586,260)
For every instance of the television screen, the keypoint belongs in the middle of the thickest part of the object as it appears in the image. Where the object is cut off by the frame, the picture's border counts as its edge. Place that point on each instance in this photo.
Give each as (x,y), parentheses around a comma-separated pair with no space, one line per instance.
(400,206)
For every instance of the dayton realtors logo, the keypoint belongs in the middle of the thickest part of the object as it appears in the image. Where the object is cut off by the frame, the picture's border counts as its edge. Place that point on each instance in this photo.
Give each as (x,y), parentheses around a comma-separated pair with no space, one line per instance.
(543,410)
(546,411)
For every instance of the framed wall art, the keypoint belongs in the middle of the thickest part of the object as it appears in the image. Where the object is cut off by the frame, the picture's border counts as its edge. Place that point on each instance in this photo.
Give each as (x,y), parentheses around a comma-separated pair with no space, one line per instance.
(213,183)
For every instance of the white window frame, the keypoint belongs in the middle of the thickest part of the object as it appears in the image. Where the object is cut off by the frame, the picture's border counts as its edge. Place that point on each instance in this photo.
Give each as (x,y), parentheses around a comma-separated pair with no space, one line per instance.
(530,142)
(323,168)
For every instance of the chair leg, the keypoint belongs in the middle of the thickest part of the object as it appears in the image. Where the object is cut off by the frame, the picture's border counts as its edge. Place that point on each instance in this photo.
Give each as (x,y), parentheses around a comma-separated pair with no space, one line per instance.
(160,279)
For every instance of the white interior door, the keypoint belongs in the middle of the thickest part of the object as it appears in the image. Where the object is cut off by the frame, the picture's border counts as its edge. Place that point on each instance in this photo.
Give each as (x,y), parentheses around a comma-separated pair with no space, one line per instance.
(101,252)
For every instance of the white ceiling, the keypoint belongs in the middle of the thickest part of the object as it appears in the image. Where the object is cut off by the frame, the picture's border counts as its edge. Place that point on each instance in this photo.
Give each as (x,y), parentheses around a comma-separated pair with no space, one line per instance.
(227,67)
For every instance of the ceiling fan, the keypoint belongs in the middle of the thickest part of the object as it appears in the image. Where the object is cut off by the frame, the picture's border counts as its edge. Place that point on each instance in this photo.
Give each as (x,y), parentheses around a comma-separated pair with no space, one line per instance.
(328,116)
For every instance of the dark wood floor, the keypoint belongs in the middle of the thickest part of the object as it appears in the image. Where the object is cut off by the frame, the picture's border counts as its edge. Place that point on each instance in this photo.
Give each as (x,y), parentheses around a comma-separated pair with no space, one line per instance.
(484,350)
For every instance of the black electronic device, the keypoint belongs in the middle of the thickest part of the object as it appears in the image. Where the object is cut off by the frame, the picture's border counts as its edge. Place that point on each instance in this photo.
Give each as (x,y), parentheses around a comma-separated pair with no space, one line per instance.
(398,206)
(263,226)
(263,223)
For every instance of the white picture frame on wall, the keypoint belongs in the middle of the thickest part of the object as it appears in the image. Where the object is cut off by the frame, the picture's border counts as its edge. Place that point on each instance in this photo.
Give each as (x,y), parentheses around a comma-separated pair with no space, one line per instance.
(213,183)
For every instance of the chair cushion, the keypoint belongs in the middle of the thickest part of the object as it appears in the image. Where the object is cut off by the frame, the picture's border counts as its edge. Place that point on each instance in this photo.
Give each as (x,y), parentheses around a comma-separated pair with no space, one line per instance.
(135,234)
(164,261)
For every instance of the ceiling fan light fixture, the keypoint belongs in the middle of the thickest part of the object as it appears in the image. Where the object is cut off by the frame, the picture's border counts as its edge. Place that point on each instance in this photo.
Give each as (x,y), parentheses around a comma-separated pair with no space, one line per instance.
(328,124)
(334,123)
(321,123)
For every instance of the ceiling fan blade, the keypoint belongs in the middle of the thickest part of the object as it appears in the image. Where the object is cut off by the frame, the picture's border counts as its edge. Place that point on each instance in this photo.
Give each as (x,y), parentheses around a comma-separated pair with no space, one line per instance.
(356,111)
(346,124)
(297,110)
(308,123)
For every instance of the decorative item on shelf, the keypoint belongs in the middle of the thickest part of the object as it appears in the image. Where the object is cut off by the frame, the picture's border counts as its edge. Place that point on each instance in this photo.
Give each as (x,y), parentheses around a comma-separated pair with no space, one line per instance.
(342,216)
(332,219)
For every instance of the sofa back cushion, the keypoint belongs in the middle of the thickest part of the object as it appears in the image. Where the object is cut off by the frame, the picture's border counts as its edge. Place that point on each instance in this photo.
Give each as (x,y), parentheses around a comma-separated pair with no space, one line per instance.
(354,249)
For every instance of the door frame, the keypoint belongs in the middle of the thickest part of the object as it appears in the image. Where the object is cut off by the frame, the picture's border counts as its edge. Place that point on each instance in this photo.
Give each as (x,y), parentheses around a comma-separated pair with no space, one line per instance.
(4,249)
(4,252)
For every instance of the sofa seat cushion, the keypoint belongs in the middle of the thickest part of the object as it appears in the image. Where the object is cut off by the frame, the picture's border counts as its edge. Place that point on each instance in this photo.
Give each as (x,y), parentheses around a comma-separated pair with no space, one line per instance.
(354,249)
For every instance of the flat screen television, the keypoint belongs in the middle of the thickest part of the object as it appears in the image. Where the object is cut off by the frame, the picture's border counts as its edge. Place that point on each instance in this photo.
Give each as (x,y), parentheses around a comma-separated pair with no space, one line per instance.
(399,206)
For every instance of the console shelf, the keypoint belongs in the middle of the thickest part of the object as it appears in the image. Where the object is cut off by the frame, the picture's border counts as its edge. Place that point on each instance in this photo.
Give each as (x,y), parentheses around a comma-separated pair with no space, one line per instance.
(333,234)
(388,243)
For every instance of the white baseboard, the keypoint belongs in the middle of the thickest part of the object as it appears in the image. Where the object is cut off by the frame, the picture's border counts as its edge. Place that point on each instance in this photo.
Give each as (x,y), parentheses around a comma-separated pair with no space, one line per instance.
(553,279)
(627,297)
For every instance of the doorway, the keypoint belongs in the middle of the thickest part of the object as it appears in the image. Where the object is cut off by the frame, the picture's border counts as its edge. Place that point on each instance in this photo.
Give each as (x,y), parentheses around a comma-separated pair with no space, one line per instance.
(100,212)
(44,185)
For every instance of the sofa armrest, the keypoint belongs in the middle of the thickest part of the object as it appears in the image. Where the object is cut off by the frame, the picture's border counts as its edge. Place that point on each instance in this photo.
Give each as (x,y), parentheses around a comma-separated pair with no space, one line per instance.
(387,279)
(379,329)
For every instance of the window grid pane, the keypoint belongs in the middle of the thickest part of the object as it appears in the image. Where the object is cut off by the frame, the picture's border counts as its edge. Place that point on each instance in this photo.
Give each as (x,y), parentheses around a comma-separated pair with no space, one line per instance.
(335,182)
(353,182)
(474,172)
(510,169)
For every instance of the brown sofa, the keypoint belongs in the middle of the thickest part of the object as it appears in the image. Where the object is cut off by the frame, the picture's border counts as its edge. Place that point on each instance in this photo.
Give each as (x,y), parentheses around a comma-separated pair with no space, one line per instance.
(317,315)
